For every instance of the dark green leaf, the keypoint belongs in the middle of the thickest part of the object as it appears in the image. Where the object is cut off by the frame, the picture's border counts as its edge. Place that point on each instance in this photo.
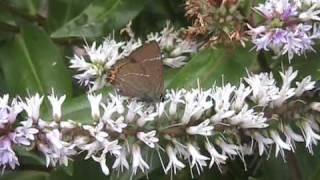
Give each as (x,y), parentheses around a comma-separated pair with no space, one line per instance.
(24,175)
(62,11)
(100,18)
(31,62)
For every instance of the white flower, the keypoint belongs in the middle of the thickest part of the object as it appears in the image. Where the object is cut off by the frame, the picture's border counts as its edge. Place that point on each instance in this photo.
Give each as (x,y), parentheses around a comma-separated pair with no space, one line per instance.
(148,138)
(32,106)
(133,108)
(315,106)
(56,104)
(4,101)
(116,125)
(248,118)
(311,14)
(308,133)
(146,115)
(264,89)
(137,160)
(197,159)
(216,157)
(280,144)
(121,161)
(203,129)
(305,85)
(262,142)
(102,162)
(191,106)
(230,149)
(118,101)
(175,98)
(222,102)
(292,136)
(175,62)
(95,101)
(13,110)
(173,163)
(241,93)
(285,92)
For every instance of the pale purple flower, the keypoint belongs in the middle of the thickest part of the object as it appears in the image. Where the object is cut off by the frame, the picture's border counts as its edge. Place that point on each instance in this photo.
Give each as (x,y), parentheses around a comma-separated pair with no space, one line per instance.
(25,134)
(55,149)
(279,33)
(7,155)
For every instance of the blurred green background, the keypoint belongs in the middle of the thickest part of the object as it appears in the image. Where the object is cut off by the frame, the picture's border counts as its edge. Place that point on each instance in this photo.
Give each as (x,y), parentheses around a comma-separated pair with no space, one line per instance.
(37,37)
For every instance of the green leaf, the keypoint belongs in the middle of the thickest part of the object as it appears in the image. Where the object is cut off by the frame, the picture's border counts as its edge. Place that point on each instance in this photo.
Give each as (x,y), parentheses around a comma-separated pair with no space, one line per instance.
(99,18)
(24,175)
(62,11)
(211,65)
(28,7)
(78,109)
(29,157)
(32,63)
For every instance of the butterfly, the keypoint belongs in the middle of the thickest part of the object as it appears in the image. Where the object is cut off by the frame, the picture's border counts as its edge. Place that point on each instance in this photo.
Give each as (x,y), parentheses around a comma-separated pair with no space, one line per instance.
(140,74)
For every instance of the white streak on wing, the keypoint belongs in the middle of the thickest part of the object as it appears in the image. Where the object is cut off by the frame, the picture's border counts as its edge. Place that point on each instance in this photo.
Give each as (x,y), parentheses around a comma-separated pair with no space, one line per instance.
(152,59)
(137,74)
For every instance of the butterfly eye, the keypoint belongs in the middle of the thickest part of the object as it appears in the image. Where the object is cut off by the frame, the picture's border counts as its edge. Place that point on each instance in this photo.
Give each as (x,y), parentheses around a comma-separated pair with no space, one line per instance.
(162,98)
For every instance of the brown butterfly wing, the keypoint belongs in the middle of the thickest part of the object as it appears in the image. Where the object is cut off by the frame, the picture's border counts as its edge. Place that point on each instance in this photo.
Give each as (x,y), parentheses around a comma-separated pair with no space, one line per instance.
(142,74)
(149,56)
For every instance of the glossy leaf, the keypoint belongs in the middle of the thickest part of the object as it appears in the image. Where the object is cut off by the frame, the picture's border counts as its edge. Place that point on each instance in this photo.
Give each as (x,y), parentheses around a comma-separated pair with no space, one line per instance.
(32,63)
(213,65)
(100,18)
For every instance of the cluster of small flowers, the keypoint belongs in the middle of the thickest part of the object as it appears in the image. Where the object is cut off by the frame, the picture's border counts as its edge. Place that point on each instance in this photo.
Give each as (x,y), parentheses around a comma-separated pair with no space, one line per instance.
(175,129)
(217,22)
(289,26)
(94,63)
